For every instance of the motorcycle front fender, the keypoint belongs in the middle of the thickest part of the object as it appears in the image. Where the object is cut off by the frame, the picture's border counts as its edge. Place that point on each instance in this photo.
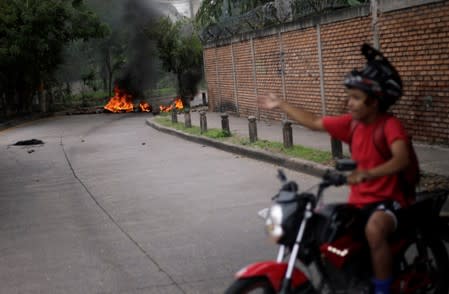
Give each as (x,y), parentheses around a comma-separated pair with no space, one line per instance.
(274,272)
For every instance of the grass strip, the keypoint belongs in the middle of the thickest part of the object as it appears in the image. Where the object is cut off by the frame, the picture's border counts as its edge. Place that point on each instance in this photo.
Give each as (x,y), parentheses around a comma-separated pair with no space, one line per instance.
(297,151)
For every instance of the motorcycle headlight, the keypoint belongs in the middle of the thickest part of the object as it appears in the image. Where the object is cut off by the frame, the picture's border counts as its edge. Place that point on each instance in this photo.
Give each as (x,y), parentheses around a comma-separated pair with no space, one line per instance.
(273,222)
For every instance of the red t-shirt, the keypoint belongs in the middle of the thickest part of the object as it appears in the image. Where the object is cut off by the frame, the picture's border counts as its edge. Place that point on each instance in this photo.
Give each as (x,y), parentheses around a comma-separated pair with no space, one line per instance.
(364,152)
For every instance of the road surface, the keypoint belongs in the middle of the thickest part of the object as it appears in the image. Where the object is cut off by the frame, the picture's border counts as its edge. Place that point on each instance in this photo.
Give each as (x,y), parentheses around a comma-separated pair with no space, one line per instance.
(110,205)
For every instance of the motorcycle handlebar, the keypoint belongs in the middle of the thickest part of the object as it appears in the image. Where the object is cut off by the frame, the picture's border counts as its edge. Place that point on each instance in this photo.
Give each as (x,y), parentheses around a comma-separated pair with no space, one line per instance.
(334,178)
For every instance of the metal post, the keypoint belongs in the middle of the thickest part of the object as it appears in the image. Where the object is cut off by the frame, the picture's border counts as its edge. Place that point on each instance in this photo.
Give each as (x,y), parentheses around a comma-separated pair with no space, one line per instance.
(203,122)
(282,70)
(336,146)
(218,81)
(256,92)
(234,77)
(287,133)
(374,23)
(225,124)
(320,60)
(252,126)
(187,119)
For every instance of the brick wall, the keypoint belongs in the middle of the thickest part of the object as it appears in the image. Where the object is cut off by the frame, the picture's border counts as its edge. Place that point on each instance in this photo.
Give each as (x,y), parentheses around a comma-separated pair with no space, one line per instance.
(245,85)
(417,41)
(285,61)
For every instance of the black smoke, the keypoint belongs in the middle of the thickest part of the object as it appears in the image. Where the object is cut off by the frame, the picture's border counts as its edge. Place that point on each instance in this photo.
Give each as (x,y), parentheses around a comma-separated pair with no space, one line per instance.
(142,69)
(142,65)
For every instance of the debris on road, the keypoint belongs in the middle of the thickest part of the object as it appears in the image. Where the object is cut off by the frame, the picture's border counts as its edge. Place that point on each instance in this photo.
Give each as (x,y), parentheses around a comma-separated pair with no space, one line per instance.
(29,142)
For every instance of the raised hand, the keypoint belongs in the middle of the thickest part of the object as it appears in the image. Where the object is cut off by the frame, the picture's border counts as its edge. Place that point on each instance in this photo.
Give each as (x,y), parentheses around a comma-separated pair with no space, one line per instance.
(269,101)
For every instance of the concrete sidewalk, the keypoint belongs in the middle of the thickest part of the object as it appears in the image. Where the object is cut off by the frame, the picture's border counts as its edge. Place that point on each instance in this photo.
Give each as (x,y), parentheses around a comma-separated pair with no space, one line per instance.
(433,159)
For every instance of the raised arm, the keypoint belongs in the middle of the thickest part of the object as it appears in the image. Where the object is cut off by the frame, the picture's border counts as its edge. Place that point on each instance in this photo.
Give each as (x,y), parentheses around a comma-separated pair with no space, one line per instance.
(301,116)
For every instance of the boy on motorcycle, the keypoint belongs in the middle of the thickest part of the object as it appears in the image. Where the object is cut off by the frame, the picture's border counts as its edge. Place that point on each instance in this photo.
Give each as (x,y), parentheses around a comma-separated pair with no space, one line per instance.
(371,91)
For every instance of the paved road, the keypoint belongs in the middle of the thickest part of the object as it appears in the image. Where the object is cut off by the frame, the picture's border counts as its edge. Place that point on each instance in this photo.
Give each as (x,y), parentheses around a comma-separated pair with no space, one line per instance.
(109,205)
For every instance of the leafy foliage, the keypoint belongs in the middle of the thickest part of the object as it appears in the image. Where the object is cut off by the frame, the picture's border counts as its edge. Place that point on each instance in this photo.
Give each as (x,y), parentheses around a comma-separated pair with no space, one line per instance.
(33,34)
(180,52)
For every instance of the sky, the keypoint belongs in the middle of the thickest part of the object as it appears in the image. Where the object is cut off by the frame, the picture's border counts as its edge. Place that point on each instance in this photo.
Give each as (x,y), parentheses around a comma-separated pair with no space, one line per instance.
(181,5)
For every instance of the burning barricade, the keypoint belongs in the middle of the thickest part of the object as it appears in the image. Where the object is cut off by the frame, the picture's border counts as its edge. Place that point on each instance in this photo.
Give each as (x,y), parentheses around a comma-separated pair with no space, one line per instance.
(175,105)
(123,102)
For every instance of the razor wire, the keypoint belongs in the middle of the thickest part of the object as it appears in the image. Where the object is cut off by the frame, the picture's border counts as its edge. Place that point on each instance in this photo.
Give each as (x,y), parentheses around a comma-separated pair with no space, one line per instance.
(269,14)
(255,19)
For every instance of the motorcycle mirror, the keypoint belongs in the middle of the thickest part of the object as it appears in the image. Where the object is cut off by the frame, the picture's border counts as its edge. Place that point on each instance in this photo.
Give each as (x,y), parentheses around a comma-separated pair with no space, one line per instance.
(345,164)
(281,176)
(263,213)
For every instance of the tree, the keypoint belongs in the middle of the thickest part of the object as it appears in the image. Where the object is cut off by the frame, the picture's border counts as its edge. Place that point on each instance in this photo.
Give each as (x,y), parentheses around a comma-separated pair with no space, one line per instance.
(209,13)
(112,58)
(180,52)
(109,53)
(33,34)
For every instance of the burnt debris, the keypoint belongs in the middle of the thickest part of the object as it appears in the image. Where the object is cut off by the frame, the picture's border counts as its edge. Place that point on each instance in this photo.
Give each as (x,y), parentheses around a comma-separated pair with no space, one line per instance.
(29,142)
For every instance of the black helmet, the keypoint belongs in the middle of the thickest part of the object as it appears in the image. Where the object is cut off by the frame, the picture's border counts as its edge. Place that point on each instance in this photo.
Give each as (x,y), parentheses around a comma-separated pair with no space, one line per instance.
(379,79)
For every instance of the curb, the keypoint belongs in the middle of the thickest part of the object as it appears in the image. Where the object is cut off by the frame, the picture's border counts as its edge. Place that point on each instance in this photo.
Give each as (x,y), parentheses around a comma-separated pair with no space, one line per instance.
(300,165)
(19,121)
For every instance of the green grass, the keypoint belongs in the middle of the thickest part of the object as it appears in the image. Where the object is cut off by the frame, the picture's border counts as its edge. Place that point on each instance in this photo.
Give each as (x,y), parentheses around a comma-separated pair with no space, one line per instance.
(297,151)
(165,120)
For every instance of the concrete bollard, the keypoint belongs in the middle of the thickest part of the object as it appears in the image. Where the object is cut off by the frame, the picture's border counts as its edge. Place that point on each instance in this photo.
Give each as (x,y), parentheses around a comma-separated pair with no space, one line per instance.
(174,116)
(187,119)
(203,122)
(204,98)
(225,124)
(337,148)
(252,126)
(287,133)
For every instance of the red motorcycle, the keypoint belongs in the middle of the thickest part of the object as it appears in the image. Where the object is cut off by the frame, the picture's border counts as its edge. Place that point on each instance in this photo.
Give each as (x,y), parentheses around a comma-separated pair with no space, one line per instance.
(323,248)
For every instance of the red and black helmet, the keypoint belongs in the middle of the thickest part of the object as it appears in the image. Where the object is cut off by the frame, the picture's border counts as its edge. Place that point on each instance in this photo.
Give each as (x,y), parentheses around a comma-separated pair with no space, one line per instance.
(379,79)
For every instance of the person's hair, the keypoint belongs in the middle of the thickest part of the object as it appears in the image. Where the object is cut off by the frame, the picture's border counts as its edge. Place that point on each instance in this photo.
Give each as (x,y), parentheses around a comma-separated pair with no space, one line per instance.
(378,79)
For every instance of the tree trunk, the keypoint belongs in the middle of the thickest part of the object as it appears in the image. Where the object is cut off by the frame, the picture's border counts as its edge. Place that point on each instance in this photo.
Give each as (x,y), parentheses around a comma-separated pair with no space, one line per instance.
(42,98)
(181,92)
(110,84)
(24,101)
(3,100)
(108,65)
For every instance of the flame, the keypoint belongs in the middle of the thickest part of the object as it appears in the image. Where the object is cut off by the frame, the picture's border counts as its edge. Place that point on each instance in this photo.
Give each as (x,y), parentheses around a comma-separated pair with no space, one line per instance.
(121,102)
(144,106)
(176,104)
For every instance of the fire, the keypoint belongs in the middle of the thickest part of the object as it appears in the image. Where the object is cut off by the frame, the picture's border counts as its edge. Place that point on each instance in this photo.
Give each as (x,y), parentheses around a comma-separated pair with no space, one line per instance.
(144,106)
(176,104)
(121,102)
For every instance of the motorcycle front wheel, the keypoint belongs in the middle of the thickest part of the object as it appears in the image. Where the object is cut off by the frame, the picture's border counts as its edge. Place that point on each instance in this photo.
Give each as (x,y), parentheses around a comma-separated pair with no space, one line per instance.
(254,285)
(424,267)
